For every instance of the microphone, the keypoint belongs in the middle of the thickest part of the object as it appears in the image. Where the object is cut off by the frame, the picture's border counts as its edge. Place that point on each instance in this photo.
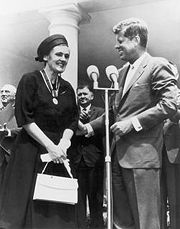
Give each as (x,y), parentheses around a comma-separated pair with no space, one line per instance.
(112,74)
(93,74)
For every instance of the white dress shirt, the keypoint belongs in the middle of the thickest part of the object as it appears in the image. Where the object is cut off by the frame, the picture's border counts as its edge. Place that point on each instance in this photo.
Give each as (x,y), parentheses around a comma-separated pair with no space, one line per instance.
(87,109)
(133,67)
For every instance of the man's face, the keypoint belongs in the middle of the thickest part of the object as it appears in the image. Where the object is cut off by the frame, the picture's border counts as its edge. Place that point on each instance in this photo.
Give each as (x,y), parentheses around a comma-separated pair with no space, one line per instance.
(7,95)
(58,58)
(84,97)
(126,47)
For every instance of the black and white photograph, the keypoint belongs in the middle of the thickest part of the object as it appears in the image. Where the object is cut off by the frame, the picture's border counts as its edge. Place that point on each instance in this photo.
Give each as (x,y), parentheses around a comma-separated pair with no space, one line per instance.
(89,114)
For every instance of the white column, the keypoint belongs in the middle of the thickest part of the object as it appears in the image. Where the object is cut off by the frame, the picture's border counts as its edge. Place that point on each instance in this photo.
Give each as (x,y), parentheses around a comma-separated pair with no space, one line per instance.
(65,20)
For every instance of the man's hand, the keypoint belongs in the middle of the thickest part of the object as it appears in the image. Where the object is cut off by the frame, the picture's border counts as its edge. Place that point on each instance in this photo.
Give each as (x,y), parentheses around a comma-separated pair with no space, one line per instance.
(122,127)
(84,116)
(3,131)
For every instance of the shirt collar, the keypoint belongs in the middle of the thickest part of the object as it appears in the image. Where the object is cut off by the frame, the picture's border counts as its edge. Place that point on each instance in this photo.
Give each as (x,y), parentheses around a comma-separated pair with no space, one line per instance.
(137,63)
(87,108)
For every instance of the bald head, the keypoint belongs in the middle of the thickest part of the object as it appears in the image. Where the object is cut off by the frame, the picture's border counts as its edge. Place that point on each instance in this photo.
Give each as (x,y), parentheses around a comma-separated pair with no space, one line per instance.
(8,93)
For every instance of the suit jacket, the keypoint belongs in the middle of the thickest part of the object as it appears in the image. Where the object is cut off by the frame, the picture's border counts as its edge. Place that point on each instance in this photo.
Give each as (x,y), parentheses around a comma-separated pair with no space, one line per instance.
(172,141)
(151,97)
(172,135)
(91,149)
(7,116)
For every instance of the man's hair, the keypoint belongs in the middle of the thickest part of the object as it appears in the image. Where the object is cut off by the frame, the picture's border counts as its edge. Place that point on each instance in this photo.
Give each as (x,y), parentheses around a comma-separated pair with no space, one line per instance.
(10,87)
(132,27)
(82,86)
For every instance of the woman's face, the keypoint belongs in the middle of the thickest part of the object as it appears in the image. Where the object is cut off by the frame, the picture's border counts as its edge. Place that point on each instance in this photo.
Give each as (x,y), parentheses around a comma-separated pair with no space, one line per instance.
(58,58)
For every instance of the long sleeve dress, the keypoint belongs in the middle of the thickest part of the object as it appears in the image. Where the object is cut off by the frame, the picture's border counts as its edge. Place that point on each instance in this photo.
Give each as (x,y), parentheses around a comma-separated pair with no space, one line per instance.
(34,103)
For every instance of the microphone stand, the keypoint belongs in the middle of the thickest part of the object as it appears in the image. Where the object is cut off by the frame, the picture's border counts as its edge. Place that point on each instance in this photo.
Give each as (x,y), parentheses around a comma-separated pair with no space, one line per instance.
(108,155)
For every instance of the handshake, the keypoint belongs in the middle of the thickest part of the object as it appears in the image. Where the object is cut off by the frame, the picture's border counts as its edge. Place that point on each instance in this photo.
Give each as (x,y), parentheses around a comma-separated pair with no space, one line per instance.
(4,131)
(84,129)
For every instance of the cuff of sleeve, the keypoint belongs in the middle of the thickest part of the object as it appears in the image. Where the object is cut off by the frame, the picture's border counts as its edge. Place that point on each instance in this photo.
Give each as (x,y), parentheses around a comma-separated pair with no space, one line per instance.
(9,133)
(90,131)
(136,124)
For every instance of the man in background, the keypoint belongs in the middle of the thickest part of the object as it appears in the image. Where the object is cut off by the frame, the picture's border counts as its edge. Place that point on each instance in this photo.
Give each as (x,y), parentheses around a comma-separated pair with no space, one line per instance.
(8,125)
(89,163)
(171,167)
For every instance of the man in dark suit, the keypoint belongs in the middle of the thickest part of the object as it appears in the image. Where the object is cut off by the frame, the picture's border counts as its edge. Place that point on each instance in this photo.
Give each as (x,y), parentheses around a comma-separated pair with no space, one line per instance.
(146,97)
(171,174)
(171,168)
(8,125)
(88,160)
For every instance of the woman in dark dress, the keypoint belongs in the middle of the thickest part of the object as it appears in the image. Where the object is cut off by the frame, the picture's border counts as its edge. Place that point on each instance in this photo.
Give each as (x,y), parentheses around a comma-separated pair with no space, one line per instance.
(46,109)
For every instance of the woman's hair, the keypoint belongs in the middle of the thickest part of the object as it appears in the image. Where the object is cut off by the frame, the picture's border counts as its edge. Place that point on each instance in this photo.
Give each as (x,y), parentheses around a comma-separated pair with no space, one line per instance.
(48,44)
(132,27)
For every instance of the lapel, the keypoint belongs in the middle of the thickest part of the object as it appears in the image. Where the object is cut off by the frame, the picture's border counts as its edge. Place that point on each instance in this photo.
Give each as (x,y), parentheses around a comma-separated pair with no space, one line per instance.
(92,112)
(6,114)
(136,76)
(121,82)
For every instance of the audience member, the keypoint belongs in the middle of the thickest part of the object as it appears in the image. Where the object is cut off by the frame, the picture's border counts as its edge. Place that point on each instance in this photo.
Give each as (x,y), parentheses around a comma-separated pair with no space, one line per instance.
(88,159)
(8,126)
(171,168)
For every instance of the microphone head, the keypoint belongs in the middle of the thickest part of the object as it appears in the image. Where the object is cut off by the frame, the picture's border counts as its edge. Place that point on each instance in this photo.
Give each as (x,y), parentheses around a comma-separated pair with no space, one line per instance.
(93,72)
(112,73)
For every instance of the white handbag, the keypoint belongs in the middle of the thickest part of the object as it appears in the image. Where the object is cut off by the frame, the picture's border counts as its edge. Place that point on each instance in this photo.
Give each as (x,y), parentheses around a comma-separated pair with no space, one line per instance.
(56,188)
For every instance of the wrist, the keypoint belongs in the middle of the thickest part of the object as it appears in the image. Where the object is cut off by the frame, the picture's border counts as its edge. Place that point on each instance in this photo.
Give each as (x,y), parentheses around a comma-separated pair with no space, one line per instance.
(67,134)
(64,143)
(48,144)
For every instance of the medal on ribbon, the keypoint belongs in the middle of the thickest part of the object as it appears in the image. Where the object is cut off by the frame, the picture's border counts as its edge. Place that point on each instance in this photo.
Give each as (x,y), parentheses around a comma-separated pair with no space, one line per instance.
(52,88)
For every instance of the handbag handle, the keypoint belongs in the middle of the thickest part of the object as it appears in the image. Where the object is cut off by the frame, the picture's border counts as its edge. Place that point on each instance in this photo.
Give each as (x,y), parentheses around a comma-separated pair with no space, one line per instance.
(66,165)
(45,167)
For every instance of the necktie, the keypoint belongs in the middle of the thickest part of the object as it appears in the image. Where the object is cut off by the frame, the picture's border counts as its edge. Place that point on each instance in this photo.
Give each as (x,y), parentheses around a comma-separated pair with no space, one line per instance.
(120,93)
(85,116)
(128,78)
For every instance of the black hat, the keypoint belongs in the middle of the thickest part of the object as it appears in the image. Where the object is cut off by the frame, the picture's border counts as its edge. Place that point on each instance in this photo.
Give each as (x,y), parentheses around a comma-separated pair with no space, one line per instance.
(50,42)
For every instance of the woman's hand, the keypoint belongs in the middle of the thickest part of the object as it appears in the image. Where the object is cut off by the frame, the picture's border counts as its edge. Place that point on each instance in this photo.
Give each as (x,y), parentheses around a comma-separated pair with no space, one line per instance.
(82,130)
(56,153)
(64,145)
